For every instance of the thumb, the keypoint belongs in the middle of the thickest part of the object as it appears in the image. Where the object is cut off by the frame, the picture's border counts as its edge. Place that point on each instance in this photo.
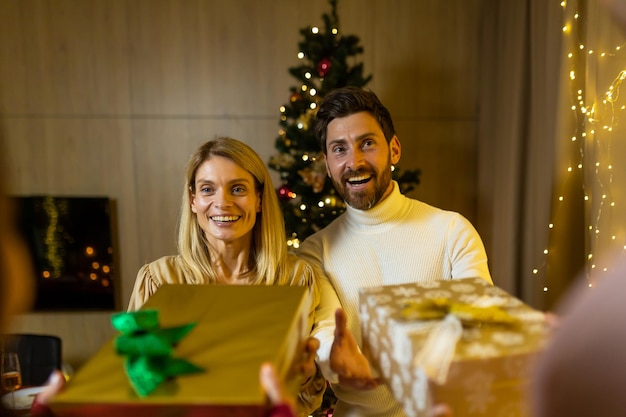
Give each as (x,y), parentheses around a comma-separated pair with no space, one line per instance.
(341,323)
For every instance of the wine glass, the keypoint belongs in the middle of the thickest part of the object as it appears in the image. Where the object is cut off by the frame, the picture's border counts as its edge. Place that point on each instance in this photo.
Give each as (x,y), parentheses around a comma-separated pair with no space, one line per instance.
(10,373)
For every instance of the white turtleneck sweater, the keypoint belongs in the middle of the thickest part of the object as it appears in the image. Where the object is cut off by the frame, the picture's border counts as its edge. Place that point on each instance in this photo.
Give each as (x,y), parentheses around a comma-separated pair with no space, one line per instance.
(398,241)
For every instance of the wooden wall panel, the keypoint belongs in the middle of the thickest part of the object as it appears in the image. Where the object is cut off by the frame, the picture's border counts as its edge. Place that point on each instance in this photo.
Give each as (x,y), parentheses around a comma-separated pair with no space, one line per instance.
(211,57)
(443,151)
(426,57)
(63,57)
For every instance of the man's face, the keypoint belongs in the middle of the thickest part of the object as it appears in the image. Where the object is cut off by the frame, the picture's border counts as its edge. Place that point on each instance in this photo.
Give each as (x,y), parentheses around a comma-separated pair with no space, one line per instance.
(359,159)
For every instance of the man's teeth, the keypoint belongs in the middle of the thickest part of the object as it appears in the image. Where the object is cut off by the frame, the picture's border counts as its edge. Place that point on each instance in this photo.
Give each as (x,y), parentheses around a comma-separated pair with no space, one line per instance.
(225,218)
(360,178)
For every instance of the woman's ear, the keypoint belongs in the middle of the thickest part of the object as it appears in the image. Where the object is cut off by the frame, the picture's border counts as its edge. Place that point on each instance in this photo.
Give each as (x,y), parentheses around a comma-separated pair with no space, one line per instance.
(192,200)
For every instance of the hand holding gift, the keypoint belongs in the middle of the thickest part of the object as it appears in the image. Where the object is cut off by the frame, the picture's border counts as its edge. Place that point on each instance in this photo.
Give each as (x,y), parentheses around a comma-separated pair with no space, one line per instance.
(306,368)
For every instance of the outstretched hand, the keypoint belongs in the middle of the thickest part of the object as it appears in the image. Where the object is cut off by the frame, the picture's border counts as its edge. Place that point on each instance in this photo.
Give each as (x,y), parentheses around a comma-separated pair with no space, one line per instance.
(346,358)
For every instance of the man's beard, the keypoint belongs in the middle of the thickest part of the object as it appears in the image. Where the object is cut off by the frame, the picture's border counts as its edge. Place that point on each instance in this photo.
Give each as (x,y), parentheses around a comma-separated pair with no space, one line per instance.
(367,198)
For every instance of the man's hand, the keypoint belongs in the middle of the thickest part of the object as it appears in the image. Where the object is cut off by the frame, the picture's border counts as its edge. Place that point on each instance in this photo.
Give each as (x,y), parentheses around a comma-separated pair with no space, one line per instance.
(346,358)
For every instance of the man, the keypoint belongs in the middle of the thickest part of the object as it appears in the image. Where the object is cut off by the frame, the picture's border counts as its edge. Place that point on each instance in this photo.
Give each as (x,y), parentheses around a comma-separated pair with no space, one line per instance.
(383,238)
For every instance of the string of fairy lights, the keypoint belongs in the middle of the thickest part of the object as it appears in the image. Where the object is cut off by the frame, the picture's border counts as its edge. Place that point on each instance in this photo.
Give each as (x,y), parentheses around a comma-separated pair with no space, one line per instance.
(594,117)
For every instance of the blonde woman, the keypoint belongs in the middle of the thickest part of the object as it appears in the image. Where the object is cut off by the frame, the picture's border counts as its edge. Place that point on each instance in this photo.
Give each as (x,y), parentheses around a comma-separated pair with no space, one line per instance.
(231,231)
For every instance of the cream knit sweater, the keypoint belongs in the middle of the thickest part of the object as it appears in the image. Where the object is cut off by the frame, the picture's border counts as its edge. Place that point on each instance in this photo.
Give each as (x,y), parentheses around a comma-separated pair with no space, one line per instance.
(399,241)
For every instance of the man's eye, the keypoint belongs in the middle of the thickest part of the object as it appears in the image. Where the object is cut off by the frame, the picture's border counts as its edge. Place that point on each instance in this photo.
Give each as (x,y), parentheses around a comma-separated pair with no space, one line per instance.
(368,143)
(338,149)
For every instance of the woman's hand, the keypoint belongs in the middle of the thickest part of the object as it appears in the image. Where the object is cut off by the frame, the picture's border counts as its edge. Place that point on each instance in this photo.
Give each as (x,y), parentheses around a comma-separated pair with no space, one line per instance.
(306,368)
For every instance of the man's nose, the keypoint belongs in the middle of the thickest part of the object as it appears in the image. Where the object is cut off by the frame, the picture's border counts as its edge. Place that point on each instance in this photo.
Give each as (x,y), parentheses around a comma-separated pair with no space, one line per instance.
(355,160)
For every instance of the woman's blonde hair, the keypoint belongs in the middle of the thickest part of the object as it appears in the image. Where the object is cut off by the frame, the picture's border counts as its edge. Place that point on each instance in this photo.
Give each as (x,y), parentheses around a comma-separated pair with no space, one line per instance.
(269,248)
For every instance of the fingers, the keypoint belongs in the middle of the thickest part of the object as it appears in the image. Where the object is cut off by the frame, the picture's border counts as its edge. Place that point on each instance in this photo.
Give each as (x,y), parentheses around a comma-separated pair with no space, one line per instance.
(311,345)
(54,384)
(271,383)
(341,323)
(441,410)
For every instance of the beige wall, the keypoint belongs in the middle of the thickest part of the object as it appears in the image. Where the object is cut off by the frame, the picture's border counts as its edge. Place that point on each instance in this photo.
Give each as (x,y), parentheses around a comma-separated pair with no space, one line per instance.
(110,97)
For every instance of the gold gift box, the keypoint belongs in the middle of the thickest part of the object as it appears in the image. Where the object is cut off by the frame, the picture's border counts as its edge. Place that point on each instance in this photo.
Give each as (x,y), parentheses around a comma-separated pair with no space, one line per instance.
(491,367)
(238,328)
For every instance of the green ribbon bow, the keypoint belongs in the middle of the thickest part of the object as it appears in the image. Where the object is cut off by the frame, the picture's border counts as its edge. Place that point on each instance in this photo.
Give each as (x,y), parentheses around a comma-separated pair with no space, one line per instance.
(148,349)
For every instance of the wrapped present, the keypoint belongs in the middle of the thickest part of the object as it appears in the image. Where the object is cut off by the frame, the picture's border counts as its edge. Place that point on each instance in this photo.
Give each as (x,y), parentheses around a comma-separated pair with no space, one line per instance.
(461,342)
(209,342)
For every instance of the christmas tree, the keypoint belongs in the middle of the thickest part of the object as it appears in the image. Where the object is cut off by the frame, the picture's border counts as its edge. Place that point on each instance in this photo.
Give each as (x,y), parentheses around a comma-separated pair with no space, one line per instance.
(307,196)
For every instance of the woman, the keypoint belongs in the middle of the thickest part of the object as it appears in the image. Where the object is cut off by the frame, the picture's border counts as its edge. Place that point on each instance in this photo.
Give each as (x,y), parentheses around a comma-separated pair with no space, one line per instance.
(231,231)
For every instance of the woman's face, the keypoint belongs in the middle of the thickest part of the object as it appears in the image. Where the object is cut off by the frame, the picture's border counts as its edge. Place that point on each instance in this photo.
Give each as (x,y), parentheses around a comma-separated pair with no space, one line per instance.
(16,274)
(226,201)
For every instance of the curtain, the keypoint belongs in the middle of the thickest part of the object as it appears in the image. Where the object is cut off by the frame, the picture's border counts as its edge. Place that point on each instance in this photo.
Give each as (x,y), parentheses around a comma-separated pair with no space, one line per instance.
(522,43)
(552,145)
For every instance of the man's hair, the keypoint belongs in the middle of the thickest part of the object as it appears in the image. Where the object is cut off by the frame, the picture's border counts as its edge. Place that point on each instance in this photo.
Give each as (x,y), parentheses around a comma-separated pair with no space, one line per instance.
(346,101)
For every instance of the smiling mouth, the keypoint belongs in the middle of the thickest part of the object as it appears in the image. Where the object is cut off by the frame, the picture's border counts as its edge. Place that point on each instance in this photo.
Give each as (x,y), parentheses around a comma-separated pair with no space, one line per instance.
(358,179)
(225,219)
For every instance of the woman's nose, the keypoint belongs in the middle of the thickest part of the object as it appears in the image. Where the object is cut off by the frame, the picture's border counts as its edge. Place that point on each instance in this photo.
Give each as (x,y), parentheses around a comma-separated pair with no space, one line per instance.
(222,199)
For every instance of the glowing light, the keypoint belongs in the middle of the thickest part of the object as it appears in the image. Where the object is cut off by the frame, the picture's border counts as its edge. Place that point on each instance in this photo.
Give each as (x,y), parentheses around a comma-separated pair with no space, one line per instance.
(315,29)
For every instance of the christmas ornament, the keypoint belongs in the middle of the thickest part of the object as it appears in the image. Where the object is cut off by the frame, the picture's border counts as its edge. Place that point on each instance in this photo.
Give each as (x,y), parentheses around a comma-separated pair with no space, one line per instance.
(323,67)
(315,175)
(285,193)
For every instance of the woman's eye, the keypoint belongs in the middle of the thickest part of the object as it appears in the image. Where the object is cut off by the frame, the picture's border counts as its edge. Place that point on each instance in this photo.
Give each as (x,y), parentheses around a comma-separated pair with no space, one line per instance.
(206,190)
(239,190)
